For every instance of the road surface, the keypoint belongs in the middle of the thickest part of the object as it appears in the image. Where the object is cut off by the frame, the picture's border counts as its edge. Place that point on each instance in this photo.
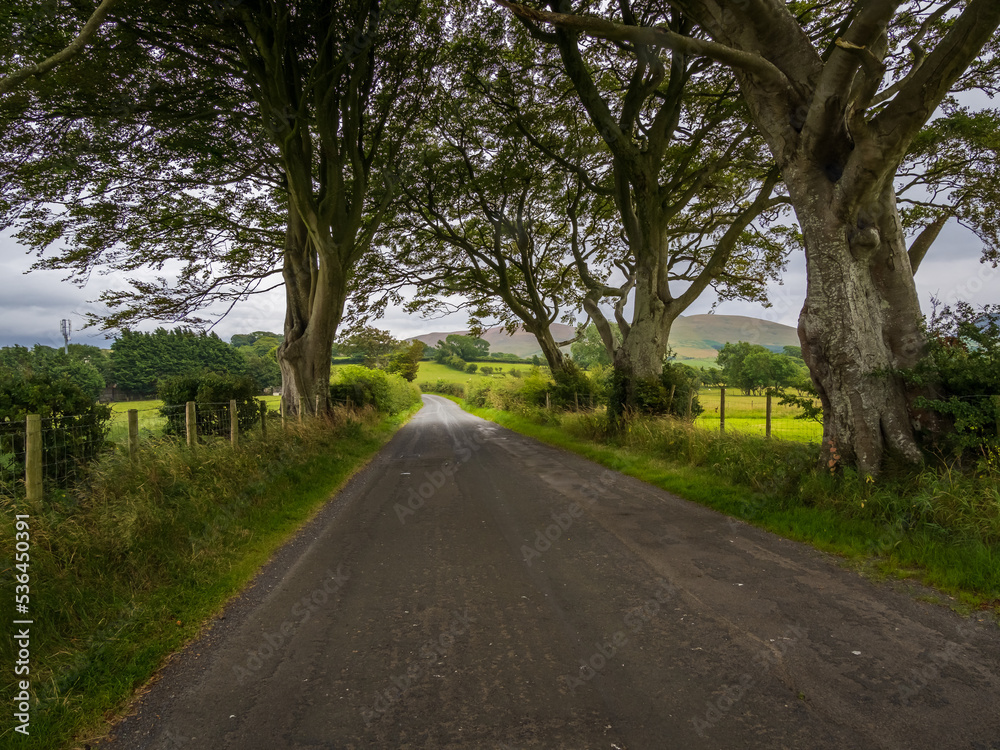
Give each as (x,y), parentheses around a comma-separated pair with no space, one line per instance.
(472,588)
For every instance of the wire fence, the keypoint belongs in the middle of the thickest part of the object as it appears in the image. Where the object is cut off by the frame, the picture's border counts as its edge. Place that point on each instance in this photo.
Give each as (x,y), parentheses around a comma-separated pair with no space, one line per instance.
(729,410)
(38,454)
(761,414)
(12,434)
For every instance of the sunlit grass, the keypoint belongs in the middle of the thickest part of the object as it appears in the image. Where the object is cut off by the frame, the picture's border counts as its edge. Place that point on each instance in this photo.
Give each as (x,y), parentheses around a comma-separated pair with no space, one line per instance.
(748,415)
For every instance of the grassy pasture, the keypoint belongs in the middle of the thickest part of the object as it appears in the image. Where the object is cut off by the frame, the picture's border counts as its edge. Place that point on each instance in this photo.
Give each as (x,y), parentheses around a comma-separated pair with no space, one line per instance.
(151,422)
(747,414)
(433,371)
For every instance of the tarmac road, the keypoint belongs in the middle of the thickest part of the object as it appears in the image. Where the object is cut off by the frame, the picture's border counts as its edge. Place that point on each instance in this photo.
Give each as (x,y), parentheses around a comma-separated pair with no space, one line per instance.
(531,599)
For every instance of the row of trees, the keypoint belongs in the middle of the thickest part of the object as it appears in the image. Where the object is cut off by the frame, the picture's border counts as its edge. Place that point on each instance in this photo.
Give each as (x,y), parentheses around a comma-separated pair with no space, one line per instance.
(524,162)
(137,362)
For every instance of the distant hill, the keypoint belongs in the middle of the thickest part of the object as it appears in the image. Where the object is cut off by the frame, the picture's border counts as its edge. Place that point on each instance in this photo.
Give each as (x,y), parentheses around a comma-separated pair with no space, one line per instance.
(692,337)
(701,336)
(521,343)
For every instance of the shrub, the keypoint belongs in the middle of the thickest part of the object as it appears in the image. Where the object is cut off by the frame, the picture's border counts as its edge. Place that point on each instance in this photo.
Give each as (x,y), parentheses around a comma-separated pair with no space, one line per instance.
(569,386)
(680,384)
(75,426)
(454,362)
(668,394)
(361,386)
(211,393)
(526,393)
(962,367)
(478,392)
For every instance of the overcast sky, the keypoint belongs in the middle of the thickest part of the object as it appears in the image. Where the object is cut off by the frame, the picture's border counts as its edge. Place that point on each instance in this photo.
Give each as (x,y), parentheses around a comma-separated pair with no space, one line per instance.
(32,304)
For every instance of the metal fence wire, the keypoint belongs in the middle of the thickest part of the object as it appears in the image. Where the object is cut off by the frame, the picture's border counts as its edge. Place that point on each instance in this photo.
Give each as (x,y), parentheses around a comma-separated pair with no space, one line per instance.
(748,414)
(12,434)
(68,444)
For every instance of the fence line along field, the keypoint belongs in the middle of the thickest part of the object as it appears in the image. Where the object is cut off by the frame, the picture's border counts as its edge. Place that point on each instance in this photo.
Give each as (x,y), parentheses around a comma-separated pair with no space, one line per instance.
(748,414)
(151,420)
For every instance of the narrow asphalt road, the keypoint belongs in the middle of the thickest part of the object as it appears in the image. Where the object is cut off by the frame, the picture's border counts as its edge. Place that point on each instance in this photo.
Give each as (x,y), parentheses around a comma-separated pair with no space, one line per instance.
(472,588)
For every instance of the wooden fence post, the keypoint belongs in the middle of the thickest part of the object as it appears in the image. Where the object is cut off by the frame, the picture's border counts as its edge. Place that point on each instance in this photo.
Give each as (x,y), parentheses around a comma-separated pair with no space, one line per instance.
(670,403)
(133,433)
(282,410)
(263,418)
(302,408)
(996,403)
(576,398)
(767,424)
(691,394)
(191,420)
(234,423)
(548,400)
(722,409)
(318,404)
(33,457)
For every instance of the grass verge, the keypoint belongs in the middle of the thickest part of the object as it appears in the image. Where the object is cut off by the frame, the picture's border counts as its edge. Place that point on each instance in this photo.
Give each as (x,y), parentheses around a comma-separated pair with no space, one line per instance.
(940,529)
(125,570)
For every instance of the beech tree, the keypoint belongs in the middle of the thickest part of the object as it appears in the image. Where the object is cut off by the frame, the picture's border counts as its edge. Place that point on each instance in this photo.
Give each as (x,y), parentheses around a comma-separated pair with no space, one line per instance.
(952,172)
(38,18)
(688,181)
(260,138)
(840,91)
(485,221)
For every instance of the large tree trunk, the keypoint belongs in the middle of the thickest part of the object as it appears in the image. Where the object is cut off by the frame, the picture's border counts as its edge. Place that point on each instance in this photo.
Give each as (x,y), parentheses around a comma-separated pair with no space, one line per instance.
(315,294)
(558,363)
(860,321)
(638,361)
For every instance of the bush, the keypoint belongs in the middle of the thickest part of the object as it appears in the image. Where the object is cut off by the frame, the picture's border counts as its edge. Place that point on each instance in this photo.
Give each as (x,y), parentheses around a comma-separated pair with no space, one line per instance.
(454,362)
(471,368)
(571,386)
(668,394)
(680,382)
(962,367)
(361,386)
(211,393)
(74,429)
(526,393)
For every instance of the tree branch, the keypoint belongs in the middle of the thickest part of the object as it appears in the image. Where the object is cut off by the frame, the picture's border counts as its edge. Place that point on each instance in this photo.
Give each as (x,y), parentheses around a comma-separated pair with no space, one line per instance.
(70,51)
(616,32)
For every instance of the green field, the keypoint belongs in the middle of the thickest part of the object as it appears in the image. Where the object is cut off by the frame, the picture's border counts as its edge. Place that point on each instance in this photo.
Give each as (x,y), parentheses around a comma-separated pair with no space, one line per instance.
(747,414)
(151,422)
(703,364)
(432,371)
(744,414)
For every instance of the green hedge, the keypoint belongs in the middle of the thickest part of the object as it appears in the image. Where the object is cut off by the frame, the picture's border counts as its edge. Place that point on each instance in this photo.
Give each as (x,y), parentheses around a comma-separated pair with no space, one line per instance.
(363,386)
(443,387)
(209,392)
